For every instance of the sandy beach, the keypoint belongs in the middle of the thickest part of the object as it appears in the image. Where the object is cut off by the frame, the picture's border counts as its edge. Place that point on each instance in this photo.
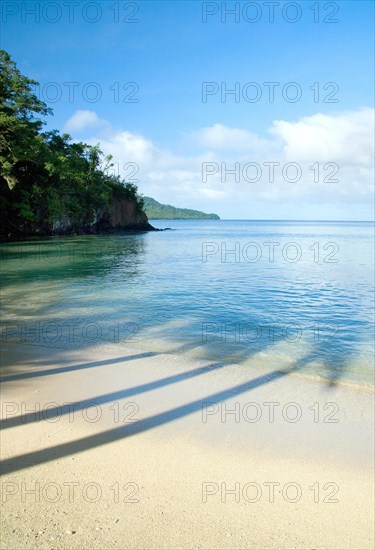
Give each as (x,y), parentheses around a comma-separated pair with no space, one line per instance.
(187,275)
(109,448)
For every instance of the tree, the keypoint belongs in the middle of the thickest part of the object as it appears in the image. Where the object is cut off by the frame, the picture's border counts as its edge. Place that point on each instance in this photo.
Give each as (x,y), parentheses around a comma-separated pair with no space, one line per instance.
(20,122)
(45,178)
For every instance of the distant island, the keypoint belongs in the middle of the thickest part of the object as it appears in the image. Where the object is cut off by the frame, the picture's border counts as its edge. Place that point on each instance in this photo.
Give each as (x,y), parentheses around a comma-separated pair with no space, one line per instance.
(157,211)
(51,185)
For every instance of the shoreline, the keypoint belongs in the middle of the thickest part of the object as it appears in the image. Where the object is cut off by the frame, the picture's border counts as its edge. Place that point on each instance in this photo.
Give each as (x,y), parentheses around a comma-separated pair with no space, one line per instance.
(97,233)
(173,438)
(316,378)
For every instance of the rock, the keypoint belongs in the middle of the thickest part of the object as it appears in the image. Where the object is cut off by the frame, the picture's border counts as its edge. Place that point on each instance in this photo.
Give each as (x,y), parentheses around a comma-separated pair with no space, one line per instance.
(121,215)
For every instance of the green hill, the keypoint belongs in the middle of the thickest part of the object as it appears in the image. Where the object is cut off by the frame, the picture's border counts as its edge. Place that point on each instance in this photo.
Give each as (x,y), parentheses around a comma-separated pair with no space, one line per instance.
(157,211)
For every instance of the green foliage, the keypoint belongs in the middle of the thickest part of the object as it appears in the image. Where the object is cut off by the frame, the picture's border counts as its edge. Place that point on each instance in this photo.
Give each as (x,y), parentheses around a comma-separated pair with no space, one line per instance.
(20,121)
(45,178)
(157,211)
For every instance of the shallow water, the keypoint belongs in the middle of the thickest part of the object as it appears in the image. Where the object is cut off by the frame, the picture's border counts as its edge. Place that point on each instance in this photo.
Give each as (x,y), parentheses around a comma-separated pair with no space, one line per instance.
(273,293)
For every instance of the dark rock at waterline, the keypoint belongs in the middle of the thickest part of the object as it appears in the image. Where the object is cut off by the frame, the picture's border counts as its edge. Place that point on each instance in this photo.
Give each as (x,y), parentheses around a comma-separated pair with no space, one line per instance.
(121,216)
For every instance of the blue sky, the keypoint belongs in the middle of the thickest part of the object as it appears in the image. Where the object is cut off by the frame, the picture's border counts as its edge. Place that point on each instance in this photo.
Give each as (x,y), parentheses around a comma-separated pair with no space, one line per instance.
(170,132)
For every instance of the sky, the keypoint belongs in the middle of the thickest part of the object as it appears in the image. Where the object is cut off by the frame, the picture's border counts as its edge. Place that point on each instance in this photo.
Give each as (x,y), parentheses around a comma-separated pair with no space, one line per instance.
(251,110)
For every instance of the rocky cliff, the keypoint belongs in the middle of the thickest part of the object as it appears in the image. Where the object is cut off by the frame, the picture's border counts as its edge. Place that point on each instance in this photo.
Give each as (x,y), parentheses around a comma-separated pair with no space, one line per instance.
(121,215)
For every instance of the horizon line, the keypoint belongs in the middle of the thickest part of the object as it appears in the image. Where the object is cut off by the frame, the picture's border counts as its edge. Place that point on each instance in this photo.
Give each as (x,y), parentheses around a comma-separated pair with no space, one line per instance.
(256,220)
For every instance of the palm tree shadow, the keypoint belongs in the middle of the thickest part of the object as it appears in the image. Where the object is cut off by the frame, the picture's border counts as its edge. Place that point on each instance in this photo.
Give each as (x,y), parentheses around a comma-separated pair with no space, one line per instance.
(71,368)
(65,409)
(42,456)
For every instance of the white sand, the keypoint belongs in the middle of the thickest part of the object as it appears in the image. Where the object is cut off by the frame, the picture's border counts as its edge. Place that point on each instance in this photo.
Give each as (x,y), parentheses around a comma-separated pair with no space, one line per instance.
(175,466)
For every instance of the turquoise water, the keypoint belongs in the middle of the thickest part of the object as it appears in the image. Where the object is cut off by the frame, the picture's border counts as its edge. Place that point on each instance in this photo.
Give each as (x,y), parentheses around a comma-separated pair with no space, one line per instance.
(308,305)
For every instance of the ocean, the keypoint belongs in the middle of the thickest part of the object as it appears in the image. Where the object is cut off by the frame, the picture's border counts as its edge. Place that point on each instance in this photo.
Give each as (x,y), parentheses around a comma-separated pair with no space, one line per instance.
(271,294)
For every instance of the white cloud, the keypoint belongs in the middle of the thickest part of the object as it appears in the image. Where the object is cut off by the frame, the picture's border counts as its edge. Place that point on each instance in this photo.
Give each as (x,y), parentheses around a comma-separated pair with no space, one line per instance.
(219,136)
(343,139)
(84,120)
(340,138)
(212,193)
(129,147)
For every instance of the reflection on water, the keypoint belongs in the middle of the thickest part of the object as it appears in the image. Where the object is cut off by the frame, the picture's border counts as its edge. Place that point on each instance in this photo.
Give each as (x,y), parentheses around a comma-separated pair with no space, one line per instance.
(69,258)
(256,298)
